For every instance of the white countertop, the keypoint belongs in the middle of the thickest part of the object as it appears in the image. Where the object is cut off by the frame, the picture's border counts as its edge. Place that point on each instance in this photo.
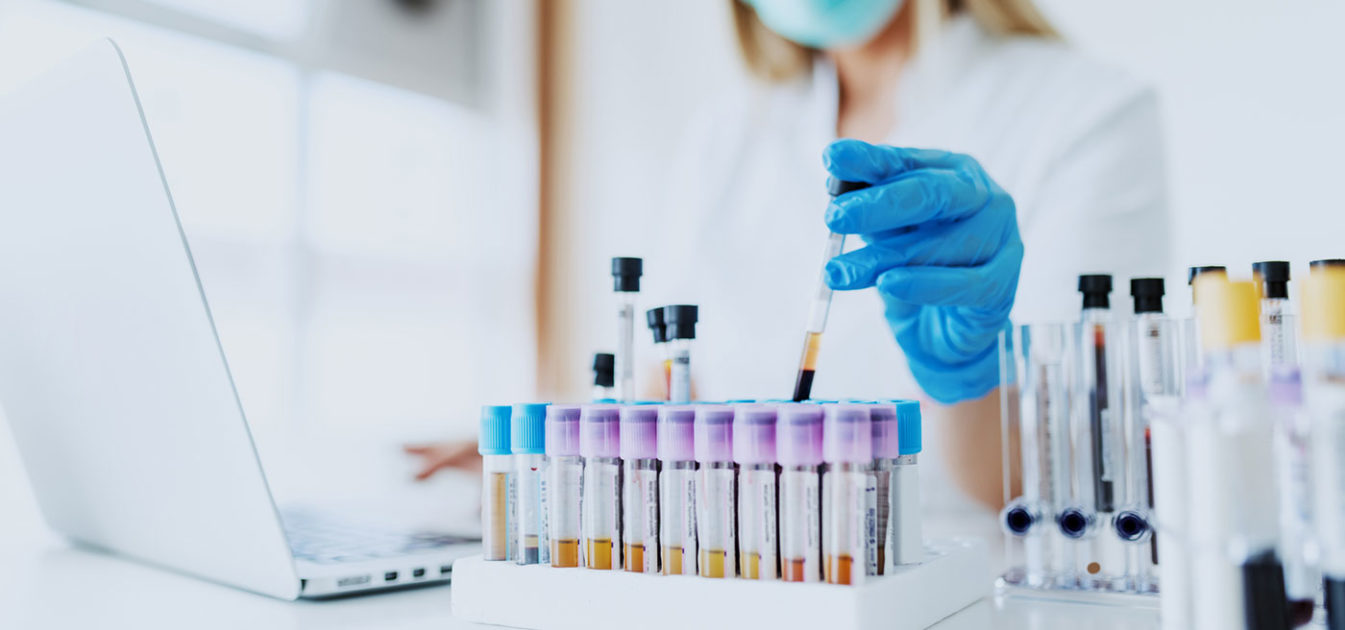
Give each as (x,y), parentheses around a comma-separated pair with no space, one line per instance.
(47,583)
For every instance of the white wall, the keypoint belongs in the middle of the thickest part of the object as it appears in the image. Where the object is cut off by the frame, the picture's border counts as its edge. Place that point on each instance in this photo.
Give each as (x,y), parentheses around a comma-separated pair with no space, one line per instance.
(1254,105)
(1253,96)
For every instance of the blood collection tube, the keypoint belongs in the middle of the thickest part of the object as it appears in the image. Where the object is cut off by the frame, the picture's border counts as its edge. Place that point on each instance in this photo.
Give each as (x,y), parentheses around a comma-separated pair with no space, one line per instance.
(1101,558)
(600,446)
(496,468)
(821,304)
(1193,356)
(527,434)
(680,320)
(659,328)
(564,479)
(1103,424)
(604,376)
(1234,521)
(1044,358)
(677,489)
(1150,342)
(1324,396)
(886,452)
(908,534)
(799,449)
(1293,459)
(639,504)
(715,495)
(754,445)
(1278,337)
(848,532)
(626,284)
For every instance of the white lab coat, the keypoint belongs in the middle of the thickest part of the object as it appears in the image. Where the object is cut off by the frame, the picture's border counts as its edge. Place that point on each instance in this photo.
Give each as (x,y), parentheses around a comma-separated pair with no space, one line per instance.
(1077,144)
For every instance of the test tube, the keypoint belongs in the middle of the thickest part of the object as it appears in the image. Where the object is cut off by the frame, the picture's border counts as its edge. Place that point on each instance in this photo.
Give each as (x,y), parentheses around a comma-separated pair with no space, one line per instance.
(1045,358)
(908,532)
(754,451)
(1293,458)
(639,504)
(626,284)
(1234,506)
(564,480)
(1324,396)
(886,452)
(821,305)
(494,447)
(1194,356)
(604,376)
(1103,423)
(600,446)
(659,328)
(1278,338)
(680,320)
(799,449)
(848,533)
(677,489)
(1104,450)
(527,433)
(1154,384)
(715,496)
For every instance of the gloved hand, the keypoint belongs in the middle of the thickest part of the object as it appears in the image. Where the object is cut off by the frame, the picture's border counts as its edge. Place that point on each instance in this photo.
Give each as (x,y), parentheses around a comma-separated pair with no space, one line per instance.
(943,250)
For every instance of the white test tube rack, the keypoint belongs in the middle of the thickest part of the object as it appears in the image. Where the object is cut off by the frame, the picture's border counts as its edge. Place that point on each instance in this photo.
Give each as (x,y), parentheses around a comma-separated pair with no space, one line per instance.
(954,575)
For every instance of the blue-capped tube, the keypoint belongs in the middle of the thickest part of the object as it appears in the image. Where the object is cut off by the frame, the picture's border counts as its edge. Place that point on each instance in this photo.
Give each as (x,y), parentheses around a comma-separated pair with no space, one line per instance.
(527,435)
(496,474)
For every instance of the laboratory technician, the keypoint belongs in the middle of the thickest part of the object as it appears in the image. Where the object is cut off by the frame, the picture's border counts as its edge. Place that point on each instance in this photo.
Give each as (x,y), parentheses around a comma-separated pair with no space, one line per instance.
(1003,163)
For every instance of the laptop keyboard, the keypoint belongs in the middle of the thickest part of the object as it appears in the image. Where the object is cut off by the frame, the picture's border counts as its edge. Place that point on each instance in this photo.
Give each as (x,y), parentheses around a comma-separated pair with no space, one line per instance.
(324,540)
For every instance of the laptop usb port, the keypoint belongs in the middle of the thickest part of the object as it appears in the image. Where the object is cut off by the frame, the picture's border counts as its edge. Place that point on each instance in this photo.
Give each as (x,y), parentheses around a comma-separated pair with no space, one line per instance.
(418,573)
(446,569)
(390,576)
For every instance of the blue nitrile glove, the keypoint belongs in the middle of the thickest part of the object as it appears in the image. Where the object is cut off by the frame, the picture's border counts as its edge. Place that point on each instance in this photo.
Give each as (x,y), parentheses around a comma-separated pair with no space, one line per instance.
(943,250)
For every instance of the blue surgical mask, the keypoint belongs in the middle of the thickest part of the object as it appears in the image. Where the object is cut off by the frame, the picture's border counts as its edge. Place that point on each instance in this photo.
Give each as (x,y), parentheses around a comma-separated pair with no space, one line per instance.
(825,23)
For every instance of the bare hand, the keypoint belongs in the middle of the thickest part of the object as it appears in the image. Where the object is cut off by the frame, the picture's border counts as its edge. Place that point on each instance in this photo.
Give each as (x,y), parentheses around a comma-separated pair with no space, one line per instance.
(437,456)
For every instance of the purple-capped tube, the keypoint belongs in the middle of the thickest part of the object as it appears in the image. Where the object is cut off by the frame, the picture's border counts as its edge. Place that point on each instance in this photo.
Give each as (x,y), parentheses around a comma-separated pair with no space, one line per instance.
(849,498)
(677,488)
(754,452)
(600,446)
(639,481)
(798,447)
(883,420)
(564,476)
(715,530)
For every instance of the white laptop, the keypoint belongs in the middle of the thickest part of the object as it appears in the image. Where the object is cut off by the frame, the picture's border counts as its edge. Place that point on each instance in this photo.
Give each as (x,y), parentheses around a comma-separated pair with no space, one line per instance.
(112,376)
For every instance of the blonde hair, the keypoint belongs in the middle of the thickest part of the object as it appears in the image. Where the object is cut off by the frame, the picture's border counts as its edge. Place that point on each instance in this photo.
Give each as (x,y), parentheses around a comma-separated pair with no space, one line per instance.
(772,57)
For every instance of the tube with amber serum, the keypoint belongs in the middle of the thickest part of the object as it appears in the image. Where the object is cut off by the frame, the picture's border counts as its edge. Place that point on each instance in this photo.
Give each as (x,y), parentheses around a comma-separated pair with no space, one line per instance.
(564,479)
(821,304)
(799,449)
(527,433)
(639,478)
(716,530)
(600,446)
(754,451)
(848,505)
(677,489)
(496,468)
